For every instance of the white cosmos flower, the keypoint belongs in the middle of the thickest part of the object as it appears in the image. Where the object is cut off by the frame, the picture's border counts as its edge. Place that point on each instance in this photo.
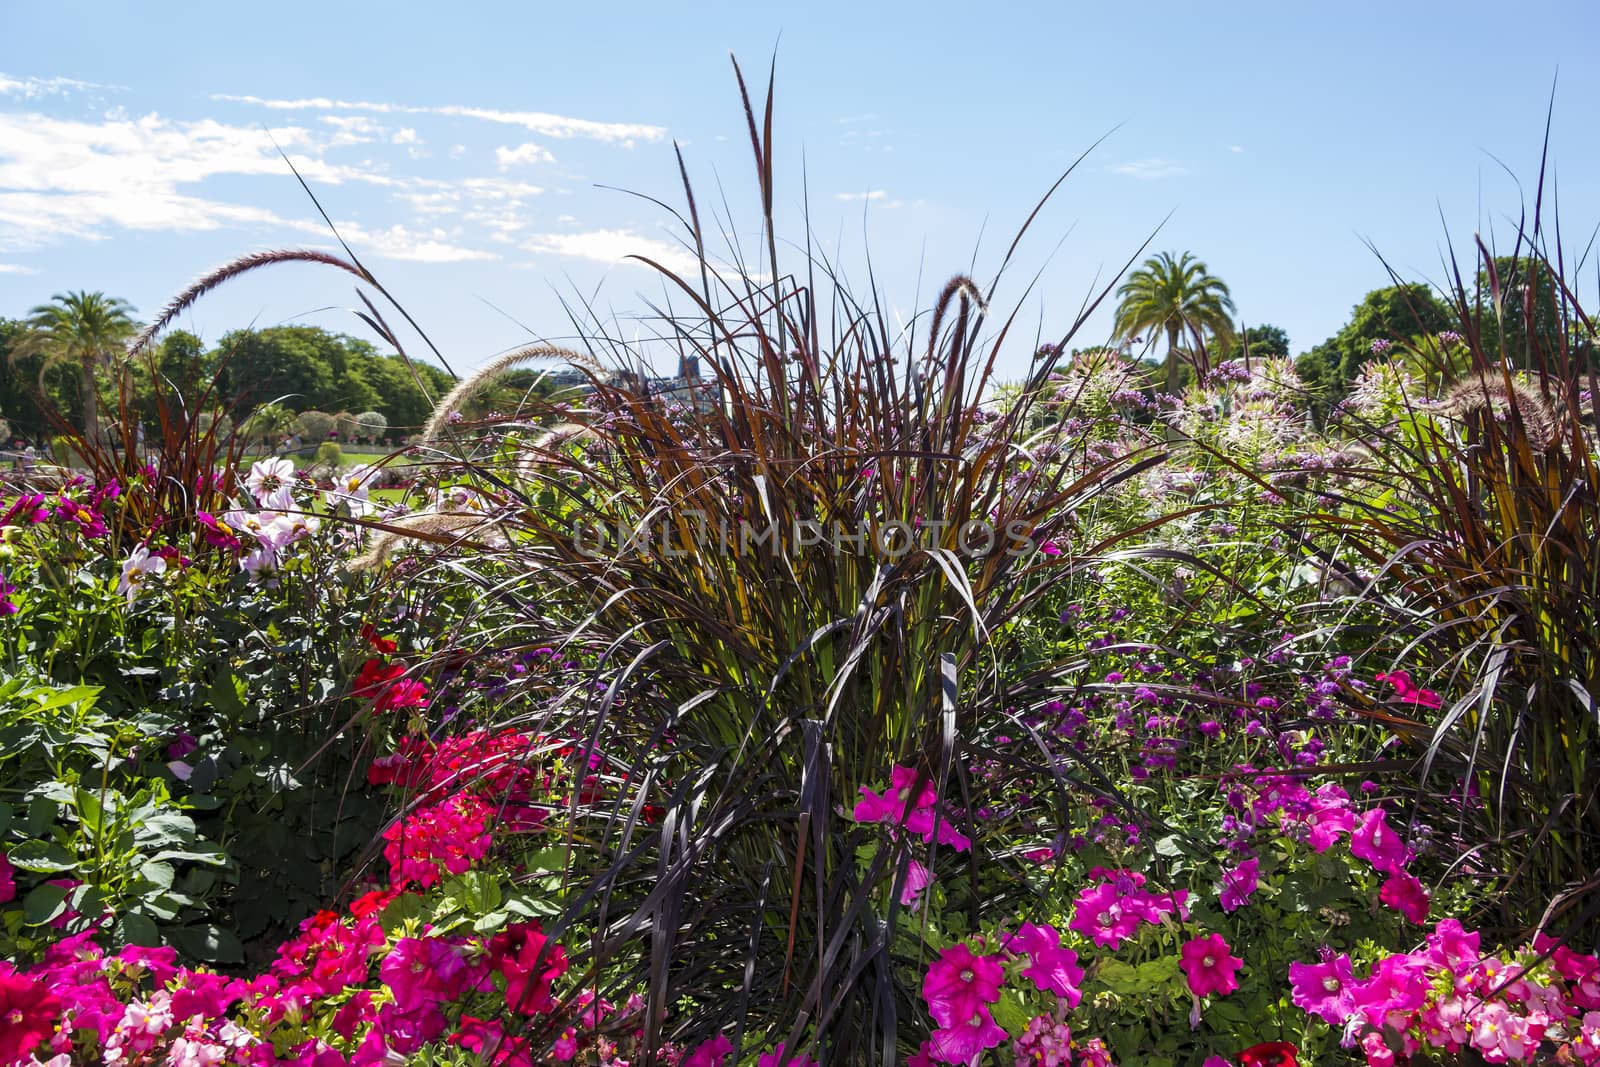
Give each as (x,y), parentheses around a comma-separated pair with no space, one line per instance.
(139,565)
(268,476)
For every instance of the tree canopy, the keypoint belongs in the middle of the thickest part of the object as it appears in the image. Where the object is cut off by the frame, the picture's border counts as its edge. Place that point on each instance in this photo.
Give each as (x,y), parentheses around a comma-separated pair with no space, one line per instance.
(296,368)
(1179,297)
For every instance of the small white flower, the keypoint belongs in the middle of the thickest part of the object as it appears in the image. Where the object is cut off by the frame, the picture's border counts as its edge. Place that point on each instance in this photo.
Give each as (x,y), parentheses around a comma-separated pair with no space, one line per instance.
(352,489)
(262,561)
(268,476)
(138,567)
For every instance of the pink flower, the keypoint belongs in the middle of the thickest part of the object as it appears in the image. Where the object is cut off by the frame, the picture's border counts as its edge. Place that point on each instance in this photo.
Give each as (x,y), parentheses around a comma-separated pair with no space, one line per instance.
(1052,969)
(1324,989)
(1500,1034)
(1378,843)
(966,1041)
(1100,915)
(422,972)
(1377,1051)
(892,807)
(709,1053)
(8,883)
(28,1014)
(958,983)
(1398,987)
(1451,947)
(1239,885)
(918,878)
(1210,966)
(777,1058)
(1405,894)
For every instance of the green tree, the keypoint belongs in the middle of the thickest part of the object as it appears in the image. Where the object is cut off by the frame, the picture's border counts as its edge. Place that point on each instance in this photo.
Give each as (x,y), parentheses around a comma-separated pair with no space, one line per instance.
(1504,306)
(19,388)
(1180,298)
(1257,342)
(1396,313)
(80,331)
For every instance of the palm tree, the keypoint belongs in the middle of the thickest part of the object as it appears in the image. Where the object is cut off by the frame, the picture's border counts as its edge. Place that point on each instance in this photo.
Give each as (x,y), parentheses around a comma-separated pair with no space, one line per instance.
(1180,297)
(82,330)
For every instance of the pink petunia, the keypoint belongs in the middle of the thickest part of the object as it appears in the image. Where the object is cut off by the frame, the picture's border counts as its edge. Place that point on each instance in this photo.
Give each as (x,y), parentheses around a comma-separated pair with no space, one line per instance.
(1210,966)
(1100,915)
(1239,884)
(1324,989)
(1051,968)
(1375,841)
(959,983)
(965,1042)
(1405,894)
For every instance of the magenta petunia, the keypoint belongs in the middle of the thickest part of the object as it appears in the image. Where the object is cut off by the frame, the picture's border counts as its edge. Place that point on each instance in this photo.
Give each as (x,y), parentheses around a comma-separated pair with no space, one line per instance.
(1051,968)
(965,1042)
(1324,989)
(1404,893)
(1239,884)
(1210,966)
(959,983)
(1375,841)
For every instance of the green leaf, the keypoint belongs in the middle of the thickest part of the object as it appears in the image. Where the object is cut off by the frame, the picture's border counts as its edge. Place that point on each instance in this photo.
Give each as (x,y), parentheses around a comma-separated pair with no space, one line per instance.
(45,857)
(1010,1013)
(208,942)
(43,904)
(157,874)
(136,929)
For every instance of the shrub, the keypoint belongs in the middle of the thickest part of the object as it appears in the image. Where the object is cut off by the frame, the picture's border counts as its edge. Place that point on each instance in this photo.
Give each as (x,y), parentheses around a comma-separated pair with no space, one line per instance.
(330,455)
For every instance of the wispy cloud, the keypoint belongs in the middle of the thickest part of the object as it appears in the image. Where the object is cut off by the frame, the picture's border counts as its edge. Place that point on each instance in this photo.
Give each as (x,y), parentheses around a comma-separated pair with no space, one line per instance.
(66,179)
(16,268)
(399,242)
(523,155)
(540,122)
(34,88)
(870,194)
(613,246)
(1150,169)
(1236,148)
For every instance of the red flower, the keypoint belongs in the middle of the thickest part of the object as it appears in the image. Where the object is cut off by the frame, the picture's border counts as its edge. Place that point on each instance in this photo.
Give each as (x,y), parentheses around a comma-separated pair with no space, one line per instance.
(515,952)
(379,644)
(375,674)
(1271,1054)
(28,1013)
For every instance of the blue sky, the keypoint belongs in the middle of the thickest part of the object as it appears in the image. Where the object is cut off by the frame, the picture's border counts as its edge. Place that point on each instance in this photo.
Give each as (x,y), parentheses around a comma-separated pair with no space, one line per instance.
(461,148)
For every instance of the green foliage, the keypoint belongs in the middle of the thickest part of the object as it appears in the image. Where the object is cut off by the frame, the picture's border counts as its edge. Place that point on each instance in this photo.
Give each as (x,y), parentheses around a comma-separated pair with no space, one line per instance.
(1258,342)
(77,804)
(1180,298)
(329,454)
(82,332)
(1483,513)
(309,369)
(1391,315)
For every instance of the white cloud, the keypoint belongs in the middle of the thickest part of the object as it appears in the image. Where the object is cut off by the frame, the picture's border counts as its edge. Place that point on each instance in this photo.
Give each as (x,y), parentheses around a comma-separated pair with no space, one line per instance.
(1149,169)
(16,268)
(398,242)
(614,246)
(540,122)
(871,194)
(1236,148)
(33,88)
(522,155)
(405,135)
(352,129)
(68,179)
